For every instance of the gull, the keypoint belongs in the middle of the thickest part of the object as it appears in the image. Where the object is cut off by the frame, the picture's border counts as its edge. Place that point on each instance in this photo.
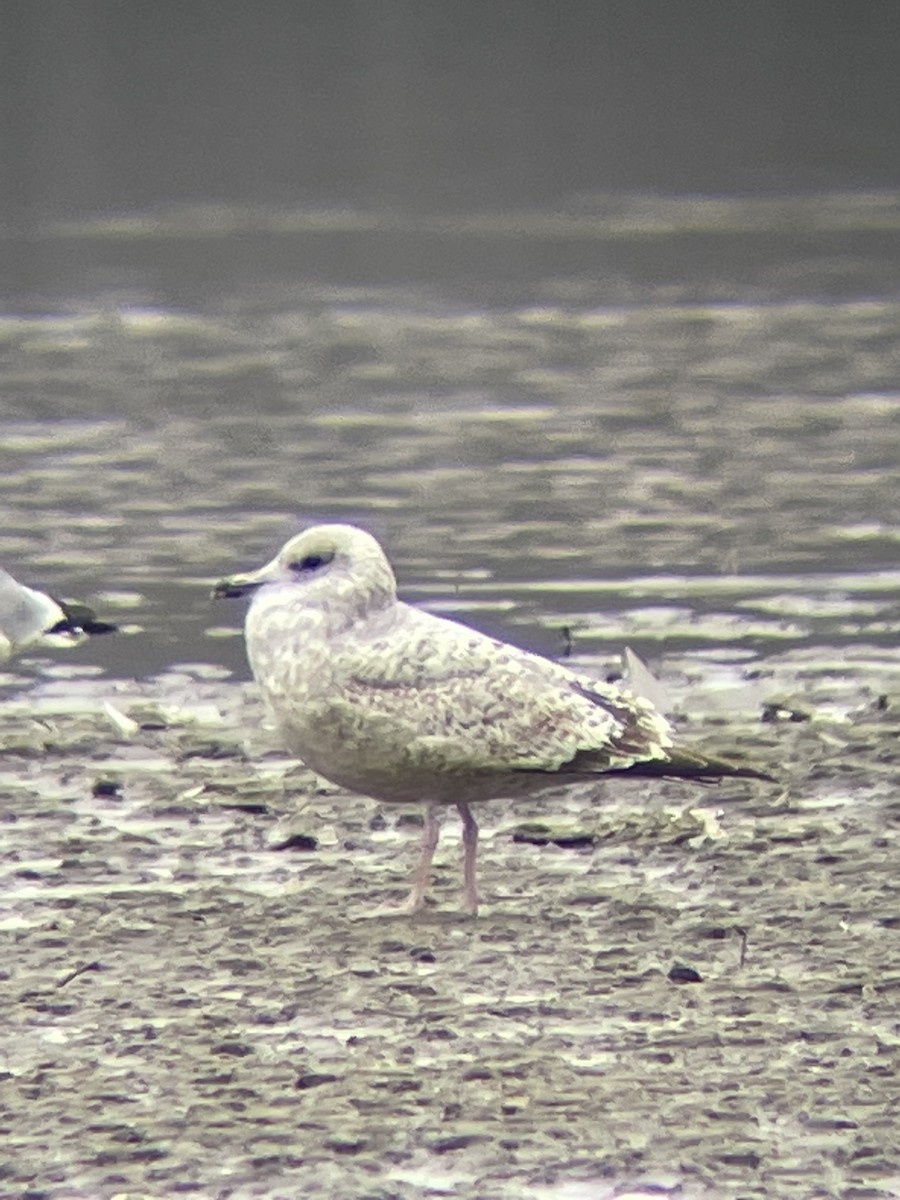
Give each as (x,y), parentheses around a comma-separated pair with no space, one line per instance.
(403,706)
(29,618)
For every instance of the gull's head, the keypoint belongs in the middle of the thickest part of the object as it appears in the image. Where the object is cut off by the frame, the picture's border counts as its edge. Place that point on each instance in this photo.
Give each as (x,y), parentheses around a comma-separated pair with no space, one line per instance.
(323,563)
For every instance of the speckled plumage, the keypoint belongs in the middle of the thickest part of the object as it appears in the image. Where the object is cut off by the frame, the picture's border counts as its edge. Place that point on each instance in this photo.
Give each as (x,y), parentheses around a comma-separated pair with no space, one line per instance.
(401,705)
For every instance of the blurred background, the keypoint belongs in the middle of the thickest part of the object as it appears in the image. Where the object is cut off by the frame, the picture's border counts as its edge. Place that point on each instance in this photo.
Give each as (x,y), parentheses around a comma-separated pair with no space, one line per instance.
(589,310)
(414,105)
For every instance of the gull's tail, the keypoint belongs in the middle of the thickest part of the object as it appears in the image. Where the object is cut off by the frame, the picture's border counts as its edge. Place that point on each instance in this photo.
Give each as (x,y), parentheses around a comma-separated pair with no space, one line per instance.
(682,763)
(78,618)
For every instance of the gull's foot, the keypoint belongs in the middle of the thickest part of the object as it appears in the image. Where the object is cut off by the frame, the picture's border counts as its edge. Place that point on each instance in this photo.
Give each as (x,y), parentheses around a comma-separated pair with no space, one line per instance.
(411,905)
(470,901)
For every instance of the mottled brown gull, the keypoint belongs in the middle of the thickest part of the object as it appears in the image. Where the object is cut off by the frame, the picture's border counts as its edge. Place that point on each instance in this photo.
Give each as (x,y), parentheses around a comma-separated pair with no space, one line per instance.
(403,706)
(29,619)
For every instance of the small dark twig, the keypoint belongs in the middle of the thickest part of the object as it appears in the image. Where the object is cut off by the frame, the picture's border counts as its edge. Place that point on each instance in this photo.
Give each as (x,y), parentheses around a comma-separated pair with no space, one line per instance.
(91,966)
(742,934)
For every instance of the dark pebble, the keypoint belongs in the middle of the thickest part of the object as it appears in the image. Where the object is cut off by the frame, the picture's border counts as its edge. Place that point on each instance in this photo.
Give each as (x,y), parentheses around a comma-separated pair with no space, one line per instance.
(298,841)
(415,819)
(683,974)
(457,1142)
(534,834)
(340,1146)
(106,787)
(778,712)
(235,1049)
(312,1079)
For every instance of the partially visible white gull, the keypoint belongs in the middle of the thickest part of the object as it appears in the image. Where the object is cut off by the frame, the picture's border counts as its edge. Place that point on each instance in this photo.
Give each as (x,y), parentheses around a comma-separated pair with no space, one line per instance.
(404,706)
(29,619)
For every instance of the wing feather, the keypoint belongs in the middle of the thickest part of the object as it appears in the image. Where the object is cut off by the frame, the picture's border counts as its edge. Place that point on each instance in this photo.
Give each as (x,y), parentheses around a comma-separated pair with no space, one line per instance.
(460,700)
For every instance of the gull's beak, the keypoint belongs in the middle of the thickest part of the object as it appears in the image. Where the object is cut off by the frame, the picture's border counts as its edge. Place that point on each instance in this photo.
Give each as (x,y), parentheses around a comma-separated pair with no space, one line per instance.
(234,586)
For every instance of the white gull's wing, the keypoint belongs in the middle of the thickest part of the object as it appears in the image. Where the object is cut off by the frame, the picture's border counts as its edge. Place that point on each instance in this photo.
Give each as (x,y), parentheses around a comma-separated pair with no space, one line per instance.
(642,682)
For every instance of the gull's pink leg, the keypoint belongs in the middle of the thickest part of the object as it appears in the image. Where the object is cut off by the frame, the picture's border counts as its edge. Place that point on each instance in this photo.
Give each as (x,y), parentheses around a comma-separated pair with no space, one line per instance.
(430,834)
(470,848)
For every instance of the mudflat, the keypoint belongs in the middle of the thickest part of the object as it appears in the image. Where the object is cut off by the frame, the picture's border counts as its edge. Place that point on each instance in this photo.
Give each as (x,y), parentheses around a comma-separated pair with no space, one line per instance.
(697,988)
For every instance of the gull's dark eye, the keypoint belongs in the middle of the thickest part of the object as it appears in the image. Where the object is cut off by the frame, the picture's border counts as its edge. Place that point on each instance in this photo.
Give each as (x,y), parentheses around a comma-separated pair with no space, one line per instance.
(311,562)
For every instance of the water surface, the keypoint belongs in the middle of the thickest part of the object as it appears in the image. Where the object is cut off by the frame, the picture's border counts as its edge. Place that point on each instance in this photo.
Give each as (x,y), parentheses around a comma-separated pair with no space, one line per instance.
(688,444)
(691,465)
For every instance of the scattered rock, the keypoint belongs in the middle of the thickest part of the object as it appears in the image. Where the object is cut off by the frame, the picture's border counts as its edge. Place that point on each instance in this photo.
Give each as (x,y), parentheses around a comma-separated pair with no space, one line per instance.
(682,974)
(298,841)
(313,1079)
(106,787)
(538,834)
